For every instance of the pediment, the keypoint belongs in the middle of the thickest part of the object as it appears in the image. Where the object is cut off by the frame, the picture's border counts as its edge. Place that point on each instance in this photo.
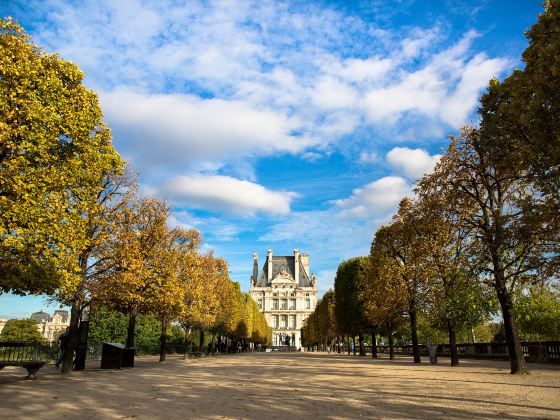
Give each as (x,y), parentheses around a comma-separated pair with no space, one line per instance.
(283,278)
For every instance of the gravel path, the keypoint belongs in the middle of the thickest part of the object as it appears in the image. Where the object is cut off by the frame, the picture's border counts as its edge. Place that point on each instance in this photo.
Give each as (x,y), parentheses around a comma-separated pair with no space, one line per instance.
(284,385)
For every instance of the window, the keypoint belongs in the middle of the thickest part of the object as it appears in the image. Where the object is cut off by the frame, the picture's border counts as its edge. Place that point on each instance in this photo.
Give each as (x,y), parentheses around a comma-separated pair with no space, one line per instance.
(284,321)
(275,321)
(260,304)
(307,303)
(275,304)
(284,303)
(292,304)
(275,340)
(292,321)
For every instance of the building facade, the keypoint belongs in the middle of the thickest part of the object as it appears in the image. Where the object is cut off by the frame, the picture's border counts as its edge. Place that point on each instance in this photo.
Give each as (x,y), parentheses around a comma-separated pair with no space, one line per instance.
(48,325)
(286,294)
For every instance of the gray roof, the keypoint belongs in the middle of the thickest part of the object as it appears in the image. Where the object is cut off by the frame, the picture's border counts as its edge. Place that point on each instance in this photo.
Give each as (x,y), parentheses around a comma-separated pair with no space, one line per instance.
(279,264)
(40,316)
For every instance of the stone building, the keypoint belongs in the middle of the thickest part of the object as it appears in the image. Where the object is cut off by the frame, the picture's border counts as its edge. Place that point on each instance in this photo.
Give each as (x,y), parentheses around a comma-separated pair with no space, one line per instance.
(48,325)
(286,294)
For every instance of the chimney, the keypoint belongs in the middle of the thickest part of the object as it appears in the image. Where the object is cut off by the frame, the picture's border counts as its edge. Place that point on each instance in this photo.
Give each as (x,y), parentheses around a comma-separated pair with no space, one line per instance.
(255,268)
(269,252)
(304,259)
(296,266)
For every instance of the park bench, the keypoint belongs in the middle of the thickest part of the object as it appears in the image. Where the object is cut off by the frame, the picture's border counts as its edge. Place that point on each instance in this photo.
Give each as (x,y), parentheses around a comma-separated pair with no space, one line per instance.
(31,356)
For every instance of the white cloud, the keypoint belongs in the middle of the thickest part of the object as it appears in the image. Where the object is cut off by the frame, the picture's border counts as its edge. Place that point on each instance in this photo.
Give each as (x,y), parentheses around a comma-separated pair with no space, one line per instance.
(368,157)
(412,163)
(375,199)
(445,89)
(330,93)
(175,129)
(304,76)
(227,194)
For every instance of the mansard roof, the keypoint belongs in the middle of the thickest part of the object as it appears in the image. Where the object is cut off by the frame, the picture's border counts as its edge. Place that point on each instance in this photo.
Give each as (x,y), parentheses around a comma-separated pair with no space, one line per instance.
(283,264)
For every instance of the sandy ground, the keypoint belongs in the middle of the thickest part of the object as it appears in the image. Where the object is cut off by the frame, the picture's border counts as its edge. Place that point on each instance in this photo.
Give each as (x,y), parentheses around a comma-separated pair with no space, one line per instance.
(284,385)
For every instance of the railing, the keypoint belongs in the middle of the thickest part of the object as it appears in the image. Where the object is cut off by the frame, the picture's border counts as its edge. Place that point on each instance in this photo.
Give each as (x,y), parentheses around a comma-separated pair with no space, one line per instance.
(12,351)
(17,351)
(544,351)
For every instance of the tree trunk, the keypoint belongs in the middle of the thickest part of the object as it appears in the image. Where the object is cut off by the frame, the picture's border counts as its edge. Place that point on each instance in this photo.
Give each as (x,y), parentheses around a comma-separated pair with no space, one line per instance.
(516,356)
(373,344)
(163,338)
(186,348)
(390,334)
(361,343)
(348,344)
(453,343)
(73,336)
(201,341)
(131,326)
(414,331)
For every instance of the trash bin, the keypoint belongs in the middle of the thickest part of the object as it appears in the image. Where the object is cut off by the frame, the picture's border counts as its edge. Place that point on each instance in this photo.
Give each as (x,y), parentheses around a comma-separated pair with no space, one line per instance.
(116,356)
(433,353)
(127,357)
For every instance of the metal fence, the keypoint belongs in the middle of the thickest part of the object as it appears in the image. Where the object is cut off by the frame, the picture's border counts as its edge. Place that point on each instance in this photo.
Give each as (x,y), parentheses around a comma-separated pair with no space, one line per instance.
(543,351)
(32,351)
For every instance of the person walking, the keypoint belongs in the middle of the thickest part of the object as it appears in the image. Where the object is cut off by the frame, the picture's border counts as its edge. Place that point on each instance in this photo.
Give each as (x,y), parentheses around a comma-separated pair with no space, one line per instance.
(63,340)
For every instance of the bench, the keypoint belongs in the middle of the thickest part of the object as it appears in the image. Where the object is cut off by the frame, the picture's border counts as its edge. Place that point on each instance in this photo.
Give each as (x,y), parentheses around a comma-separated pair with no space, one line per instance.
(31,356)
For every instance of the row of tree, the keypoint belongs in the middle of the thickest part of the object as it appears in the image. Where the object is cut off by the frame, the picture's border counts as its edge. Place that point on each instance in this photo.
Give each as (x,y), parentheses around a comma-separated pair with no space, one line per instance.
(73,224)
(484,227)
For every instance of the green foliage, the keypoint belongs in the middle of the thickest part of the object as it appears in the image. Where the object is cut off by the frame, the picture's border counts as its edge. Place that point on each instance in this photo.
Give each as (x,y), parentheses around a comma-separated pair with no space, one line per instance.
(320,326)
(21,330)
(107,325)
(348,310)
(538,314)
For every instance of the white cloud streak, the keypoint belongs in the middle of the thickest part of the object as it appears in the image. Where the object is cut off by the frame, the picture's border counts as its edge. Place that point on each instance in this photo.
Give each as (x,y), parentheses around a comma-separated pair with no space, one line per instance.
(412,163)
(226,194)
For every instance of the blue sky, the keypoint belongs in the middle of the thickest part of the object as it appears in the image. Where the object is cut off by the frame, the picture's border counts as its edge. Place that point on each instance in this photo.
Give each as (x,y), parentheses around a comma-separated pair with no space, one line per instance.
(281,124)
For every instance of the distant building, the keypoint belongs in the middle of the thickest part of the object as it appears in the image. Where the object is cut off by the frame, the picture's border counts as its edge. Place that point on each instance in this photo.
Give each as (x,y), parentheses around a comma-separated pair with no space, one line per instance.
(286,294)
(2,323)
(49,325)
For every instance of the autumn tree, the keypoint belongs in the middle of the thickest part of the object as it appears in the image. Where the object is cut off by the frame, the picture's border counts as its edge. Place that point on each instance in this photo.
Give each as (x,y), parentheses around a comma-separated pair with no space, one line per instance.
(455,298)
(515,243)
(401,242)
(145,263)
(383,292)
(55,155)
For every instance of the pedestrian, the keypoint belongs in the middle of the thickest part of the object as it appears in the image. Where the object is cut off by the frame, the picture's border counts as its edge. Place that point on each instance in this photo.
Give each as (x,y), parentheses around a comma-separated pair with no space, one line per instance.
(63,340)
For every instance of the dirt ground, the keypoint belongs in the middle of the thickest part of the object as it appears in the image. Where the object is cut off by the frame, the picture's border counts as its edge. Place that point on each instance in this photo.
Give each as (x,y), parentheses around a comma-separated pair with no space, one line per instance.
(284,385)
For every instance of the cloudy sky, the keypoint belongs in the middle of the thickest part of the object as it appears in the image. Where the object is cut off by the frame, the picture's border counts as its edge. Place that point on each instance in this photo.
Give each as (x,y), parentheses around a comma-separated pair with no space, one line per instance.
(281,124)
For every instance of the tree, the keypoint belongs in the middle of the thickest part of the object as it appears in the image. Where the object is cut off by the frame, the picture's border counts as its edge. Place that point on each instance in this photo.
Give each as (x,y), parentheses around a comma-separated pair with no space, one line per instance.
(515,246)
(348,311)
(455,298)
(538,313)
(401,242)
(21,330)
(525,107)
(107,326)
(55,153)
(382,291)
